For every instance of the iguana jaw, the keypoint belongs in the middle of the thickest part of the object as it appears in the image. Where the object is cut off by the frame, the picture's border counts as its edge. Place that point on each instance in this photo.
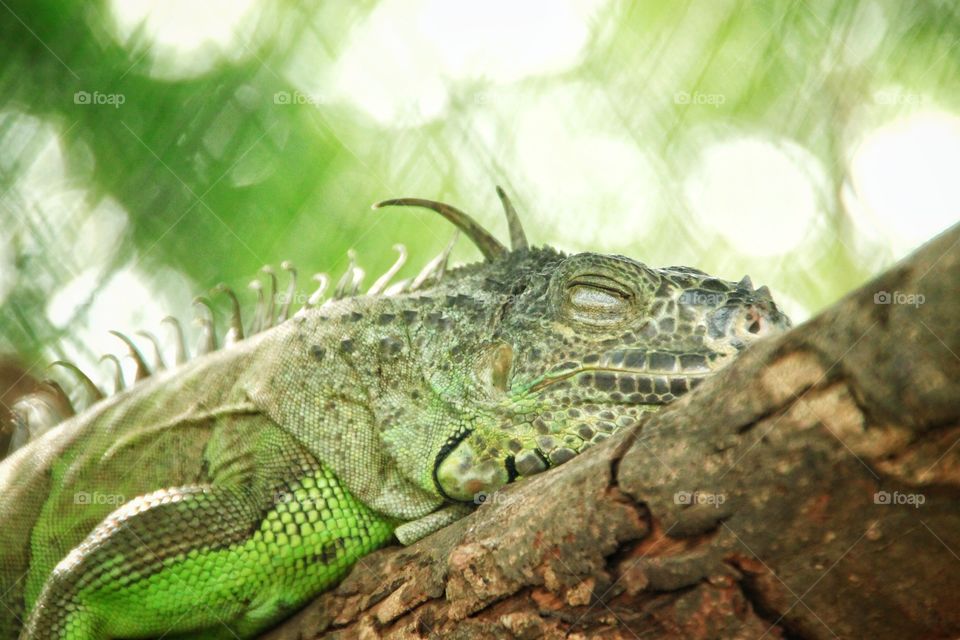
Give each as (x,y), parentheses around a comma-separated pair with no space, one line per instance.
(619,385)
(552,420)
(574,405)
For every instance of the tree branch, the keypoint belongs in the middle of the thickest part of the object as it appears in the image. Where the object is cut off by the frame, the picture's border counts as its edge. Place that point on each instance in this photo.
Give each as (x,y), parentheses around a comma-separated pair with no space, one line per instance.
(809,490)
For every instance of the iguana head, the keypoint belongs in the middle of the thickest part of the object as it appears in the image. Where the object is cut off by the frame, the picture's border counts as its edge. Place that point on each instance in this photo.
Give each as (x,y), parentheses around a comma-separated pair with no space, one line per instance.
(578,347)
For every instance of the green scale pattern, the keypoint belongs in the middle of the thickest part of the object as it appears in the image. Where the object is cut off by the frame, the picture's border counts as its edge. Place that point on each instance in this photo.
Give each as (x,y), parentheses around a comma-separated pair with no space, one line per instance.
(306,542)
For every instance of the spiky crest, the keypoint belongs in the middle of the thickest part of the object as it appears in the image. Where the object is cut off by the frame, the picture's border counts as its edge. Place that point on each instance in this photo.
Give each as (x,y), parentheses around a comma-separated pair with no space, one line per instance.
(265,314)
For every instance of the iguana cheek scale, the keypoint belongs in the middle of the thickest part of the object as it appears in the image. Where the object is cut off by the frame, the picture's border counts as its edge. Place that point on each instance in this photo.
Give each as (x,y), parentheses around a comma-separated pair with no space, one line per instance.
(214,499)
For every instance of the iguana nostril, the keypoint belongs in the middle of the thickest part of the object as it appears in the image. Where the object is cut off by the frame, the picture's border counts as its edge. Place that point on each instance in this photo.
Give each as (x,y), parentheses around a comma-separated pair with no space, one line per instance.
(754,326)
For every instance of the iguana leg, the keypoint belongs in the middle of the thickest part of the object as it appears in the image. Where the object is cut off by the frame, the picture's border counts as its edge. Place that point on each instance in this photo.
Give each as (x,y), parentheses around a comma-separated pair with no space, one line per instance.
(410,532)
(198,557)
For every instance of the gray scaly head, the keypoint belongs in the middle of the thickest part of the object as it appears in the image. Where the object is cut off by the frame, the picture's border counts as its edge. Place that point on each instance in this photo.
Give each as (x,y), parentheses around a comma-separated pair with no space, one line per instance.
(535,355)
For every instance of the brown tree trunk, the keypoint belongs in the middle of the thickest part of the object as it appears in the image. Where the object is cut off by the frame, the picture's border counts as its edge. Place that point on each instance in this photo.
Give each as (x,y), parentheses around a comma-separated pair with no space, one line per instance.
(810,490)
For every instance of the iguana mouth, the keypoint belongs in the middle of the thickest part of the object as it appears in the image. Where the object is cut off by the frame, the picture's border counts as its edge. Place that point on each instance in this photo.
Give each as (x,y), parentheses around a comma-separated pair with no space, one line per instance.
(634,376)
(628,385)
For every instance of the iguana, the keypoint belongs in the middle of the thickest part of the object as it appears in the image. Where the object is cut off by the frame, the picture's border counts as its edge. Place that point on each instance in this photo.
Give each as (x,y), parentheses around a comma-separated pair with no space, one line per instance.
(213,499)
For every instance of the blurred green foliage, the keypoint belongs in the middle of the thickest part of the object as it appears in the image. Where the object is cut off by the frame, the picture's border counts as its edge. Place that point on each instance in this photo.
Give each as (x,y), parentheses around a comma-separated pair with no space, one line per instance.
(257,150)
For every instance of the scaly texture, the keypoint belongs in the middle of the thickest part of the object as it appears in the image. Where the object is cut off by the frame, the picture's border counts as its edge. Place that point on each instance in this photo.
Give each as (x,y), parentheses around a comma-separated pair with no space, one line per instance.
(215,498)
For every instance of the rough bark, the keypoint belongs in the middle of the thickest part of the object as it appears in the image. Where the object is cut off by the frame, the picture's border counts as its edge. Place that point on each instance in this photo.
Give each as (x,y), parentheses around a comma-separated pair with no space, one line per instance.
(810,490)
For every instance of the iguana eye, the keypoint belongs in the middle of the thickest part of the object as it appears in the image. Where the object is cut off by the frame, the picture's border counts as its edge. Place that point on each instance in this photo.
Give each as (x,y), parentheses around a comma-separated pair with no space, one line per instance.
(589,297)
(597,300)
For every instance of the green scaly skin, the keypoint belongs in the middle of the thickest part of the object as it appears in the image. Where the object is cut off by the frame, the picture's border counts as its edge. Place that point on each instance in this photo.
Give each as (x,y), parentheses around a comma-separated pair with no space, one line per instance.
(214,499)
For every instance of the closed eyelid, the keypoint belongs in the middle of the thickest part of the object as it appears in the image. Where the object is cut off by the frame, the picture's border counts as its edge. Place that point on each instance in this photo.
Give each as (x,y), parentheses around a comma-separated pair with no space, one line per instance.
(591,296)
(602,282)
